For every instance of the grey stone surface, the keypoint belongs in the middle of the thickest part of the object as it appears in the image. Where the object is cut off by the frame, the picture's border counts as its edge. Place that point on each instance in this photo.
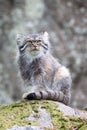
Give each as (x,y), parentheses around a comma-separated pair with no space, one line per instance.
(43,118)
(71,111)
(16,127)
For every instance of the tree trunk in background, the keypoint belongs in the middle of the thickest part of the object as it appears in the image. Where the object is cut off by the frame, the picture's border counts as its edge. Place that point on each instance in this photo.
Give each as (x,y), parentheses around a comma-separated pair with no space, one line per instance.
(66,23)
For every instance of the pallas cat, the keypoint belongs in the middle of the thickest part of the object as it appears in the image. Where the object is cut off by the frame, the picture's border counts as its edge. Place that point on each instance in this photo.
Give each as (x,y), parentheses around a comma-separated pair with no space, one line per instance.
(44,76)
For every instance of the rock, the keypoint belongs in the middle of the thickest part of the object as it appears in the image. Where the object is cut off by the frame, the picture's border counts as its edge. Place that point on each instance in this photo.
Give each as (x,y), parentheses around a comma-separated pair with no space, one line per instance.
(66,23)
(41,115)
(25,128)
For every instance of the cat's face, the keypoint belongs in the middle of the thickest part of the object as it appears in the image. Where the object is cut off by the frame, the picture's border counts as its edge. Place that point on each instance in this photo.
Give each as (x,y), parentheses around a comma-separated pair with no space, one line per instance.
(33,44)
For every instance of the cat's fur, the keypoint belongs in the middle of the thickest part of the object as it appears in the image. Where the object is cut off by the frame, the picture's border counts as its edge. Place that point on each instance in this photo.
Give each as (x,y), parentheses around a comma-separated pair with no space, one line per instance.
(40,71)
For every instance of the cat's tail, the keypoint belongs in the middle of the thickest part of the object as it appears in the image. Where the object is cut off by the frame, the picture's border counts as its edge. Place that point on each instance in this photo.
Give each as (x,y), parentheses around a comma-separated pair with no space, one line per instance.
(48,95)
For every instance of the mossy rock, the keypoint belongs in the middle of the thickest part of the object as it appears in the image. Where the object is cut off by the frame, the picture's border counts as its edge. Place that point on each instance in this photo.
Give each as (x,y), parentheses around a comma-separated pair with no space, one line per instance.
(44,115)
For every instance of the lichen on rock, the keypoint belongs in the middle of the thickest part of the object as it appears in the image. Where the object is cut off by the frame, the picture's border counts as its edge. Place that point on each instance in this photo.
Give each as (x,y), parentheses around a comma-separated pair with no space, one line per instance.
(35,115)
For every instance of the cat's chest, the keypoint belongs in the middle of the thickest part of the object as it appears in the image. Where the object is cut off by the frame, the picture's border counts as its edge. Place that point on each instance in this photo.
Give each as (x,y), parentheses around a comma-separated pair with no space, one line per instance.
(41,77)
(39,73)
(35,72)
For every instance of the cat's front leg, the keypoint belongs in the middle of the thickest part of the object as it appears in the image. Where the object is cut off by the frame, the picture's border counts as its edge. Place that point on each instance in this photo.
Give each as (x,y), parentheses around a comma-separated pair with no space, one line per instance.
(32,93)
(32,96)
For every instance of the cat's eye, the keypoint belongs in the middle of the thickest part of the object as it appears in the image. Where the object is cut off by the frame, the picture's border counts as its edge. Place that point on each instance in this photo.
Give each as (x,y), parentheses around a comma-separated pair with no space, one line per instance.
(38,40)
(28,42)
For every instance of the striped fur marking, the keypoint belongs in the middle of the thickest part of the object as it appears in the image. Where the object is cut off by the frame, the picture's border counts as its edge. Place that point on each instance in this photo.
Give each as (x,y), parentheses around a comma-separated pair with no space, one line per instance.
(23,47)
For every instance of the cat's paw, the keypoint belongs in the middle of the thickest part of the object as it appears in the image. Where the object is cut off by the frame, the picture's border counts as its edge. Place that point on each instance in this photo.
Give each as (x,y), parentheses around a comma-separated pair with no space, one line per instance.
(25,95)
(29,96)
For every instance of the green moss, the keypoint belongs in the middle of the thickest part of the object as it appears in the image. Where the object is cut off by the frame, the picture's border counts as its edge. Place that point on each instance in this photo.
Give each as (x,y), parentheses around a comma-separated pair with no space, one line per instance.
(84,127)
(15,115)
(58,119)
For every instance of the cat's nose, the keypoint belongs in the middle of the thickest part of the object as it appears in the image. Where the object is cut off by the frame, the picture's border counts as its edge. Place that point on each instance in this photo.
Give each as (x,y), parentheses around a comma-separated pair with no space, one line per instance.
(35,45)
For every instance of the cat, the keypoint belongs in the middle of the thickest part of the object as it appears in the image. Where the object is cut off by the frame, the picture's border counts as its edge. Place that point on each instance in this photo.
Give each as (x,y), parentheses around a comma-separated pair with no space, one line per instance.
(45,77)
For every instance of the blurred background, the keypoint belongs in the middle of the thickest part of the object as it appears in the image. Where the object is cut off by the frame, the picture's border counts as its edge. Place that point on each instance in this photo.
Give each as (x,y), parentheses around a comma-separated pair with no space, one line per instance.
(66,23)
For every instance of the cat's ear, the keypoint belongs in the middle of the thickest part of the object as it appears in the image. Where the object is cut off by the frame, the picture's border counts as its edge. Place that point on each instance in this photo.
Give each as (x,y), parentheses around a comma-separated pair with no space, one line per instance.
(45,35)
(18,39)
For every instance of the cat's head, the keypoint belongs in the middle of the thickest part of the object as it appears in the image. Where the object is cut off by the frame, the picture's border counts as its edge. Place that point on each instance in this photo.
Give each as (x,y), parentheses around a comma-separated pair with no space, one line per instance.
(34,45)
